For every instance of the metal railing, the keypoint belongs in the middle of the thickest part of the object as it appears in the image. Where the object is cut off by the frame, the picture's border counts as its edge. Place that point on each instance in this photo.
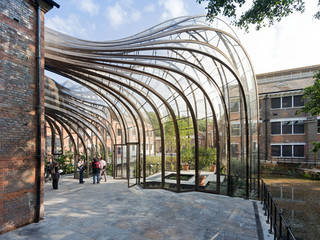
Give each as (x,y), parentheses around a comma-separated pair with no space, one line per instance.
(278,224)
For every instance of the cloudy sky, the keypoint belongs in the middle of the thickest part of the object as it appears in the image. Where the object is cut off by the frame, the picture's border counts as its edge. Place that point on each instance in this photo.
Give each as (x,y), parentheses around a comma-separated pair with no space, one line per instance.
(294,42)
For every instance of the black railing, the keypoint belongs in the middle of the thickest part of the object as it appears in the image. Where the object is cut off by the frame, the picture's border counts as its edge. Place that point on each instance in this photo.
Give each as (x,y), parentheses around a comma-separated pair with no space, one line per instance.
(278,224)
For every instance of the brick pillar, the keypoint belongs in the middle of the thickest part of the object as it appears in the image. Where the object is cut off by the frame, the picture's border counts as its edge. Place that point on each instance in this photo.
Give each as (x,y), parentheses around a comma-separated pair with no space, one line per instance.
(18,114)
(311,132)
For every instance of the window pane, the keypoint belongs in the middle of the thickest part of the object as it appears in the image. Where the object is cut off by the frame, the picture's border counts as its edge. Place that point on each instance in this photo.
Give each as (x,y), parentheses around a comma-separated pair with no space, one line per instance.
(234,149)
(275,150)
(287,127)
(119,132)
(234,107)
(276,128)
(298,127)
(287,102)
(235,129)
(287,150)
(298,150)
(298,101)
(318,125)
(275,103)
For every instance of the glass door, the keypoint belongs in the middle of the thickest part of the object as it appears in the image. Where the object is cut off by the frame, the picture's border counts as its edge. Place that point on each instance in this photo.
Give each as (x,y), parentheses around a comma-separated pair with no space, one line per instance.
(132,163)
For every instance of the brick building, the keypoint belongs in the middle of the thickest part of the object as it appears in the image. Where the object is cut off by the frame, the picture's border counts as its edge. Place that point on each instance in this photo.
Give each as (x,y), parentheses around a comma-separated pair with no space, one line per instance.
(285,134)
(21,125)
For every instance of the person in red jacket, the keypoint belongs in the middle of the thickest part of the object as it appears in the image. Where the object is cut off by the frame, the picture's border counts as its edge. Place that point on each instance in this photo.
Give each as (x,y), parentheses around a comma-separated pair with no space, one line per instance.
(95,170)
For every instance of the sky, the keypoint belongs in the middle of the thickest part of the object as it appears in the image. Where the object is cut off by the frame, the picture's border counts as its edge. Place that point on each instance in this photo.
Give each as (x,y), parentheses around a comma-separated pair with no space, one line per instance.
(294,42)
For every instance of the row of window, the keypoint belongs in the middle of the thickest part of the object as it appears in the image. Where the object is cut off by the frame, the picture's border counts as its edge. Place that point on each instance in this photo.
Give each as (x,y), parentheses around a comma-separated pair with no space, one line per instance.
(287,150)
(287,102)
(287,127)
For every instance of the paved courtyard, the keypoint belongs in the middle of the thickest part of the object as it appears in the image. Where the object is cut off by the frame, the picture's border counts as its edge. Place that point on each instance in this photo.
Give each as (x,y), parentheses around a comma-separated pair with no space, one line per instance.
(113,211)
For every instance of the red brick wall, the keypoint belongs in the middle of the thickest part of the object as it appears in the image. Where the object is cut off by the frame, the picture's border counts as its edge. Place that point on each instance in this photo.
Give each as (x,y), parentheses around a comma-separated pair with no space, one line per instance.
(18,114)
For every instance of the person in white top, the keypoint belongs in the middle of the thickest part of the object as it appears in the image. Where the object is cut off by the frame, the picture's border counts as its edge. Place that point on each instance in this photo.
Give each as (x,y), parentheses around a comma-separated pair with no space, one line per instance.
(103,169)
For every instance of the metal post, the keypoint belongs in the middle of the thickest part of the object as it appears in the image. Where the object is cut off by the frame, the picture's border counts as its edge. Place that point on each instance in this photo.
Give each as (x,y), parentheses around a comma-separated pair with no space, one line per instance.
(271,215)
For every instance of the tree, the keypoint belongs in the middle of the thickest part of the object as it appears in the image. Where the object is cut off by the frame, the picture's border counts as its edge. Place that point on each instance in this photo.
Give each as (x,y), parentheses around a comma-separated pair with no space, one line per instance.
(312,105)
(262,13)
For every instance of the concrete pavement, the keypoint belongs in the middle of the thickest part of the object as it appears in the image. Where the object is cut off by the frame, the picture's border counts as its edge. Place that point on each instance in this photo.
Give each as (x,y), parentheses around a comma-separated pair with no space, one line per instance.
(113,211)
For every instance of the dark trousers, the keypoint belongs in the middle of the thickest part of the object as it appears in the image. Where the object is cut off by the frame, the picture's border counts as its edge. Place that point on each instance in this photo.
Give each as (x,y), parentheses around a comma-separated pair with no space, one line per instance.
(55,180)
(81,175)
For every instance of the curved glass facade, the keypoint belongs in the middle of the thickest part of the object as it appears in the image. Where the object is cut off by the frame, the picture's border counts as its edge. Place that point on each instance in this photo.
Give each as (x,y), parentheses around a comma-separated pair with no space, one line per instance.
(173,107)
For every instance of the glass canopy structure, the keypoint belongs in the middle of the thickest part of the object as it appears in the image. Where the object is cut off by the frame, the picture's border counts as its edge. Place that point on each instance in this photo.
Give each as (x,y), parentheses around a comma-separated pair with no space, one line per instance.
(172,107)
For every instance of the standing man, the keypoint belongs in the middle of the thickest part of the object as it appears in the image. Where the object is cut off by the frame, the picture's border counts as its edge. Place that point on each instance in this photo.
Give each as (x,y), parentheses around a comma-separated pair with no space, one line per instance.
(95,170)
(55,174)
(103,169)
(81,168)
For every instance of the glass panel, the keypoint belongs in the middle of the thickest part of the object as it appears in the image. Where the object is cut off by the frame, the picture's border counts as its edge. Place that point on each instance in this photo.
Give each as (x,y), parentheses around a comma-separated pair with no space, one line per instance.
(286,150)
(275,102)
(234,106)
(170,154)
(120,161)
(286,102)
(133,163)
(275,150)
(298,150)
(235,150)
(298,101)
(298,127)
(287,127)
(275,127)
(318,125)
(235,129)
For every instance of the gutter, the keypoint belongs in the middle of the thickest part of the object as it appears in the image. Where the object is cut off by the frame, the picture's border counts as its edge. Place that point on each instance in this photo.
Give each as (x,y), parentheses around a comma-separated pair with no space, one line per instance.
(39,163)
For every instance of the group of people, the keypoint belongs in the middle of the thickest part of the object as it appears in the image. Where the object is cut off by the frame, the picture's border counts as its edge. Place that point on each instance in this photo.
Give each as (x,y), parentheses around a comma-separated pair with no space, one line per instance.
(99,170)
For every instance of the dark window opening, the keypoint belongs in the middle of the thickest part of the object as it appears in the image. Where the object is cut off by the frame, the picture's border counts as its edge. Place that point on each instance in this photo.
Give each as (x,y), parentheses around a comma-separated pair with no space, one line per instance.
(276,128)
(276,150)
(298,150)
(287,150)
(235,129)
(298,101)
(318,125)
(234,106)
(234,149)
(287,127)
(119,132)
(287,102)
(298,127)
(275,103)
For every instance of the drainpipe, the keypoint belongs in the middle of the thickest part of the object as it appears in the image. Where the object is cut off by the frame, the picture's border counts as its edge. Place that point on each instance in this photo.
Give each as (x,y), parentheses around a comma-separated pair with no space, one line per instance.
(266,120)
(38,139)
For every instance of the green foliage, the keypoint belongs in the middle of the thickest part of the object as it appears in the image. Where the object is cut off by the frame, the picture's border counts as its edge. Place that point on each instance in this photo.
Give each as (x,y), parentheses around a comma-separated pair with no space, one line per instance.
(110,169)
(312,96)
(65,162)
(207,157)
(261,13)
(312,104)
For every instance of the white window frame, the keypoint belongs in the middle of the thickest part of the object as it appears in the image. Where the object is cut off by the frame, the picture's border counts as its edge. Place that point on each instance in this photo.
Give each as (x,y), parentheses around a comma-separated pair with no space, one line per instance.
(287,120)
(292,150)
(235,123)
(292,102)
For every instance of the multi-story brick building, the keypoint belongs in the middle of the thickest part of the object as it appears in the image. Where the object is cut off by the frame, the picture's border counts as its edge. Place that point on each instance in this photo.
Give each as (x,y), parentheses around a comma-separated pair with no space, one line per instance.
(286,135)
(21,111)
